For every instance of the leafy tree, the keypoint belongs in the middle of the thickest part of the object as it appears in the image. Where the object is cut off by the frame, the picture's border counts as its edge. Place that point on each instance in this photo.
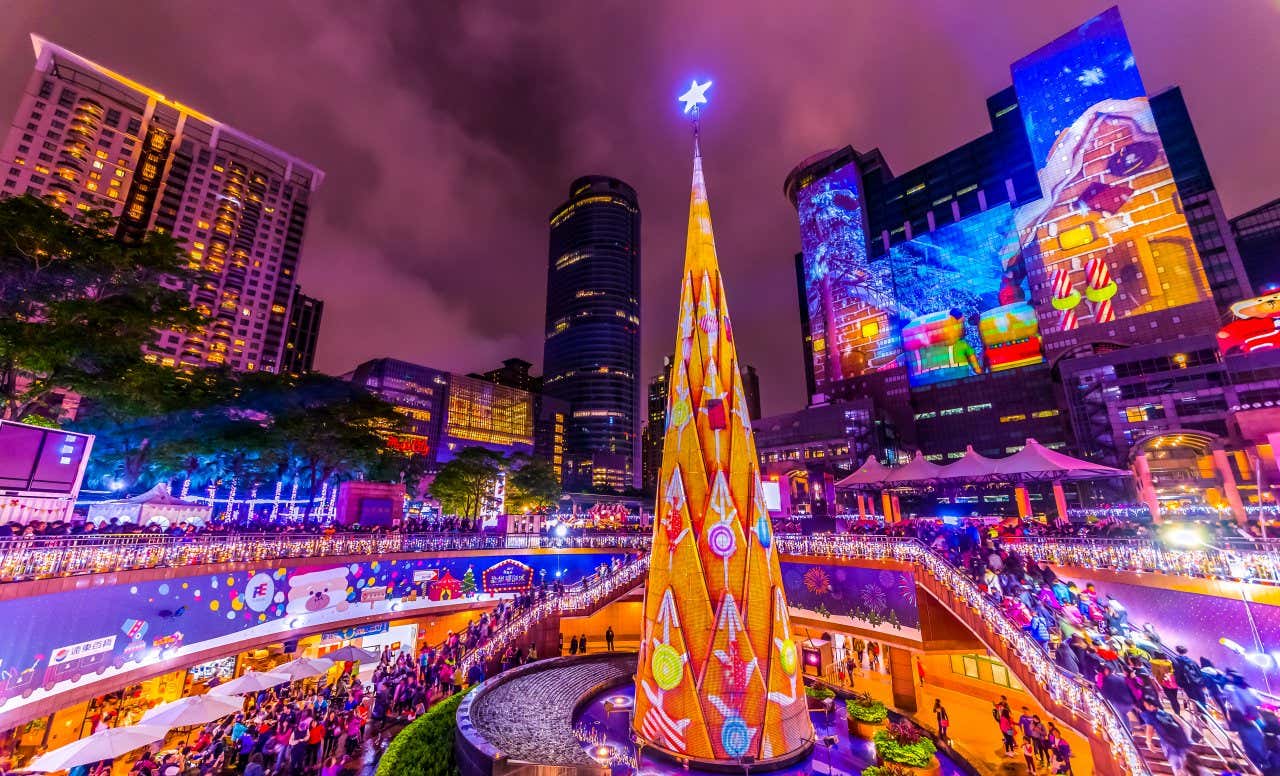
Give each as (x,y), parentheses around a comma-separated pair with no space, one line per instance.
(464,485)
(531,484)
(78,303)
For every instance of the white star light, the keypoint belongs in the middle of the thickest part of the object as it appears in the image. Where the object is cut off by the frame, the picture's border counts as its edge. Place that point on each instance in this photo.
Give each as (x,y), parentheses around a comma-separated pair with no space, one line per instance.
(697,95)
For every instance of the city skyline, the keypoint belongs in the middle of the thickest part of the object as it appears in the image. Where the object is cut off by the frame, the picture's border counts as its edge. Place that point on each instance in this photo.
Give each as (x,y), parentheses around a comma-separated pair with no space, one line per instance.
(413,297)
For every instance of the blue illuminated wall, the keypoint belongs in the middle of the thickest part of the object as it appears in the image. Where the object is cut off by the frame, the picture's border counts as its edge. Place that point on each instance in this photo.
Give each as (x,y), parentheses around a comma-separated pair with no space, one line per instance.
(850,298)
(122,624)
(961,293)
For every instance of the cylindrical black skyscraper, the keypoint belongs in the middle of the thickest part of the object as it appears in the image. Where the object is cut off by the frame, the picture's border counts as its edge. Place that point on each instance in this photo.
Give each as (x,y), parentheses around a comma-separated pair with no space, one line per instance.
(592,353)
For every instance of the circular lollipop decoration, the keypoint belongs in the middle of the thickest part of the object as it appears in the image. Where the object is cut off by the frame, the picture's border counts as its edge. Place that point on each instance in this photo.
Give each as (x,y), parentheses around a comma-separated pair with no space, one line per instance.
(681,412)
(734,736)
(787,656)
(667,666)
(721,539)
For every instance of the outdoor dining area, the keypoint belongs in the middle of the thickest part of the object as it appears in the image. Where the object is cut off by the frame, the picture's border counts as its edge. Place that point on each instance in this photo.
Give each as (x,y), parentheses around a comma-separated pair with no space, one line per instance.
(1034,463)
(172,724)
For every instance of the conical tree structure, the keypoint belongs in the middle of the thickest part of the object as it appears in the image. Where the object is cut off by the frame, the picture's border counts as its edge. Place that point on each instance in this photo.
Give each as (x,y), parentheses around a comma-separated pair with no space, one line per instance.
(719,675)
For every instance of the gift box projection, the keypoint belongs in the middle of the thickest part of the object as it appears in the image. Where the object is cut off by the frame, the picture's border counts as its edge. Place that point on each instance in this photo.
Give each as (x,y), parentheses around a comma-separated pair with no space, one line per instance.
(996,286)
(719,674)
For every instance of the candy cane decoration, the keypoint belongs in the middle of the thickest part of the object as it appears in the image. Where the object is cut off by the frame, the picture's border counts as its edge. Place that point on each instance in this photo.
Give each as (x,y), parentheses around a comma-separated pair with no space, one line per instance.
(1100,290)
(1065,299)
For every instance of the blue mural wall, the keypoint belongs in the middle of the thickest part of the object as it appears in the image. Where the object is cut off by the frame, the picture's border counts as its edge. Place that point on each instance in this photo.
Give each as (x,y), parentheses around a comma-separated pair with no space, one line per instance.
(865,598)
(51,638)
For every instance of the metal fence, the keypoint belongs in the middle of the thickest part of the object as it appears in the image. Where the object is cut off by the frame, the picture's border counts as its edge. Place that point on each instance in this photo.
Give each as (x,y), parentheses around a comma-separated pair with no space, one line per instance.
(45,557)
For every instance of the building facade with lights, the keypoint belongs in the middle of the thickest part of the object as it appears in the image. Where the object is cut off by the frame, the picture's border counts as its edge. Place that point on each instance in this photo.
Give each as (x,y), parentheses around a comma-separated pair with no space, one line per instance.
(92,139)
(988,296)
(300,344)
(591,356)
(1257,234)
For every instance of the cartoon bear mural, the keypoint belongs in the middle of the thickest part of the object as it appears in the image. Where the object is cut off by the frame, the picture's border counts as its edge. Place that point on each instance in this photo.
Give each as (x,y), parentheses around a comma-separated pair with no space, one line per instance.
(316,591)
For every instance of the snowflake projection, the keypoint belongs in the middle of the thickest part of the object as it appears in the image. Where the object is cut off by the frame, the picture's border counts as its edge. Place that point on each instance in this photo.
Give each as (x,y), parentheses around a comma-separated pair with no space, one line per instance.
(817,581)
(874,599)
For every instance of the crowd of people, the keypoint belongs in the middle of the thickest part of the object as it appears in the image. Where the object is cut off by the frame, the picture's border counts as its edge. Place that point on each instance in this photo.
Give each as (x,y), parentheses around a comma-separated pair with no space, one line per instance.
(1171,699)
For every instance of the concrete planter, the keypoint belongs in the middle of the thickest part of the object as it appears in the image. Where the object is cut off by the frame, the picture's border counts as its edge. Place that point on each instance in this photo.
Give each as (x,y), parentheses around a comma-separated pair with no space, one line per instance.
(934,768)
(864,729)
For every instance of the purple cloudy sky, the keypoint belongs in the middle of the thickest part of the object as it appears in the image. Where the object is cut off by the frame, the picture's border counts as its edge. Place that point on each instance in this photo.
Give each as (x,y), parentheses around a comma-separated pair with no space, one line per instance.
(449,131)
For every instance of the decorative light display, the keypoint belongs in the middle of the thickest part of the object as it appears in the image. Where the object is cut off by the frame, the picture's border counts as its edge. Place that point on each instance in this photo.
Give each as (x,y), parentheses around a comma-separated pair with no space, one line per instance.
(713,682)
(697,95)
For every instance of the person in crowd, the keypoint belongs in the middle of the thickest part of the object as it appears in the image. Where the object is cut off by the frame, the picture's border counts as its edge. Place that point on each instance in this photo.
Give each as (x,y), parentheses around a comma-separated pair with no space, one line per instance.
(944,722)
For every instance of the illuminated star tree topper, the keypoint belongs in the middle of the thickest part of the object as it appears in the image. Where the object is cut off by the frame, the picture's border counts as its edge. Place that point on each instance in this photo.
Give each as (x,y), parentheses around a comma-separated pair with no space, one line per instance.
(697,95)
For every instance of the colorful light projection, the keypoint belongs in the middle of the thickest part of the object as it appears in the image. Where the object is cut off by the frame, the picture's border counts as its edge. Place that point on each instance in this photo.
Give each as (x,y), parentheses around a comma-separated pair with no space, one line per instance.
(1108,238)
(850,297)
(961,294)
(719,675)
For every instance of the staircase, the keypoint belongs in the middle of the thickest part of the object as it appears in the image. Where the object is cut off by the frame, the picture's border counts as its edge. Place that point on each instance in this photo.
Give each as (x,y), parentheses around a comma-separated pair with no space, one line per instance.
(599,591)
(1066,696)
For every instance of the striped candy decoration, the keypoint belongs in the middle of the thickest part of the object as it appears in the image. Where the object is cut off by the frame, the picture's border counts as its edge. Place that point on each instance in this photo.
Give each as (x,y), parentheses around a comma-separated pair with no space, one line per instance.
(659,726)
(1065,299)
(1101,289)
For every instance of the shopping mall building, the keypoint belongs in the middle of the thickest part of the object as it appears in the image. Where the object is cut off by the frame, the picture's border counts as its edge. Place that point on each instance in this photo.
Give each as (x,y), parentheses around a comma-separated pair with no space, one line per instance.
(1070,276)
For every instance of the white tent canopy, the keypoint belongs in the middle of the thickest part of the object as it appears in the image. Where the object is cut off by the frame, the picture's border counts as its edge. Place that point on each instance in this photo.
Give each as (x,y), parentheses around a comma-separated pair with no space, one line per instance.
(156,505)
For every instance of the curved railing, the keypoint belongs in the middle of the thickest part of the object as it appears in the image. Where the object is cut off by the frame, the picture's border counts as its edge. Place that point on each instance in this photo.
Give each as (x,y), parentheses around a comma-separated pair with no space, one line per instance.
(44,557)
(582,599)
(1059,690)
(1254,561)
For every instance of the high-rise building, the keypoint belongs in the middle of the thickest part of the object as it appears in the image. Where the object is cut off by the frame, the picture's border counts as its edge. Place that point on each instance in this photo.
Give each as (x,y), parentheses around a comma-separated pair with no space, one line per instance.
(305,315)
(92,139)
(550,415)
(952,294)
(655,425)
(1257,235)
(591,357)
(448,412)
(515,373)
(751,390)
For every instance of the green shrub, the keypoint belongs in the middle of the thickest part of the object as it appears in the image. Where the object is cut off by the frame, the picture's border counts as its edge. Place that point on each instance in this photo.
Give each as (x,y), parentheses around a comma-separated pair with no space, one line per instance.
(863,708)
(888,769)
(819,692)
(425,746)
(893,750)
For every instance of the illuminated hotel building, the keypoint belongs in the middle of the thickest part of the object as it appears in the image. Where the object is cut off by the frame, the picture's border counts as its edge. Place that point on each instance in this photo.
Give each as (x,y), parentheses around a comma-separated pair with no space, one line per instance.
(448,412)
(591,357)
(969,296)
(93,139)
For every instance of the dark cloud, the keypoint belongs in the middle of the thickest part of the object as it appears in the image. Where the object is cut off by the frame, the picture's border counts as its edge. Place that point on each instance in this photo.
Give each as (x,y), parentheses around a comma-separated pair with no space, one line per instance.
(449,131)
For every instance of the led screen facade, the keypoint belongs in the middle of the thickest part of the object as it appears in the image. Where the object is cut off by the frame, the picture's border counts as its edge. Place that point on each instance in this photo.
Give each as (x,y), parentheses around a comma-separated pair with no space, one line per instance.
(850,298)
(962,300)
(1108,238)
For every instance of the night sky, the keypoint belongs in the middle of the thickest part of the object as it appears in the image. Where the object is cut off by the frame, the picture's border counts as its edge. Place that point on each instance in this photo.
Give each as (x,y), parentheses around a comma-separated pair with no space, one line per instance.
(449,131)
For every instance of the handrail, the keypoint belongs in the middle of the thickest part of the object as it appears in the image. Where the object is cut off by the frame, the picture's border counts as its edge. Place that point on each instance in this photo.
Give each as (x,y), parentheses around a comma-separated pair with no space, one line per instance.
(24,559)
(1036,671)
(597,589)
(45,557)
(1255,561)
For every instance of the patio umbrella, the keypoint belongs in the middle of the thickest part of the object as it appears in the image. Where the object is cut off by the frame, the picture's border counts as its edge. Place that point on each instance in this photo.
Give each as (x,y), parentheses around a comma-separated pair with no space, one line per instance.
(250,681)
(193,710)
(304,667)
(349,653)
(103,745)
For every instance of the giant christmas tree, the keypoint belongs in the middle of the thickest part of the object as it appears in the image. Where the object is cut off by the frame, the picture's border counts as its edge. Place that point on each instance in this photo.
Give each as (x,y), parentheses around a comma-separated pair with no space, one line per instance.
(719,675)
